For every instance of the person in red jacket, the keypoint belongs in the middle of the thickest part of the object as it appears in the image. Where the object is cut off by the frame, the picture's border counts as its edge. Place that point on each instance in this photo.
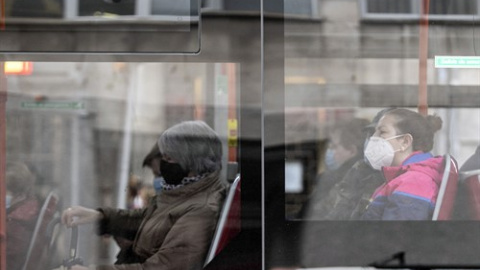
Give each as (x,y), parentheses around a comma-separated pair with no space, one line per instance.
(400,149)
(23,208)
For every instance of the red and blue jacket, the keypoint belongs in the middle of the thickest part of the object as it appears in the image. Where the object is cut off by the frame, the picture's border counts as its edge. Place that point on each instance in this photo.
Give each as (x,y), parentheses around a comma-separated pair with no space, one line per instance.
(410,190)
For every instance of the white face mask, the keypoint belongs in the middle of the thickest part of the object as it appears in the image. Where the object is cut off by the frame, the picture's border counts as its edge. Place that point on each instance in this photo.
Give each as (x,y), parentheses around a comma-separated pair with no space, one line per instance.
(379,152)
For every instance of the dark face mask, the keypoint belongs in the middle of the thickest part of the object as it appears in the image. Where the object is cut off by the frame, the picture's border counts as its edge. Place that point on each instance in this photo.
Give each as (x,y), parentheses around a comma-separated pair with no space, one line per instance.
(172,172)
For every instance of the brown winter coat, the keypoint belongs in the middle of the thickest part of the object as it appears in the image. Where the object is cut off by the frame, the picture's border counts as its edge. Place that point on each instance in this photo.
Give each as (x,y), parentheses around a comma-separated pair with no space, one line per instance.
(174,232)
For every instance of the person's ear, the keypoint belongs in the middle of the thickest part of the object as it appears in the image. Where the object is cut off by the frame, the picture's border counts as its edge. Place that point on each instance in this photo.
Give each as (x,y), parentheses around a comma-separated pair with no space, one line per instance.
(407,142)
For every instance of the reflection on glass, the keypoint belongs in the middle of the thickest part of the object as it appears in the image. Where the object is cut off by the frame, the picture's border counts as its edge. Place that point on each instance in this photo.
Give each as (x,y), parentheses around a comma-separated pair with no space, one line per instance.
(343,185)
(34,9)
(84,131)
(99,8)
(102,26)
(354,69)
(293,177)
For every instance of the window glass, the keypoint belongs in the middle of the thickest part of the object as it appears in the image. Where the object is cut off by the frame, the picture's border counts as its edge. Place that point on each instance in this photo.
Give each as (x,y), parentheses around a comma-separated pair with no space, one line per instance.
(454,7)
(178,8)
(362,199)
(389,6)
(34,9)
(92,100)
(84,129)
(106,8)
(90,26)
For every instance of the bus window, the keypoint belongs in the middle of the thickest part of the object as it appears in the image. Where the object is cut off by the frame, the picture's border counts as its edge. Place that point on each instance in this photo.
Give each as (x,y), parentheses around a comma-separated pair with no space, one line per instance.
(365,193)
(86,129)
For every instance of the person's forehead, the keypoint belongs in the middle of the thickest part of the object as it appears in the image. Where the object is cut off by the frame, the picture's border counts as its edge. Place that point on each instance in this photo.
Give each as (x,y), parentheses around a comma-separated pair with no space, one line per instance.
(387,121)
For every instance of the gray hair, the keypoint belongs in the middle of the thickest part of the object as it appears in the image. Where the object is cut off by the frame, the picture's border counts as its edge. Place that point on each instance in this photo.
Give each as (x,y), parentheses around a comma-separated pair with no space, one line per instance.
(194,145)
(19,178)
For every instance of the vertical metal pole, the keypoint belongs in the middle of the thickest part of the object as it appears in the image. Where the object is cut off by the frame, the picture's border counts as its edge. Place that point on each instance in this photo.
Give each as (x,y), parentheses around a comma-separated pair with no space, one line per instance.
(74,161)
(3,135)
(3,155)
(124,165)
(232,111)
(423,57)
(2,19)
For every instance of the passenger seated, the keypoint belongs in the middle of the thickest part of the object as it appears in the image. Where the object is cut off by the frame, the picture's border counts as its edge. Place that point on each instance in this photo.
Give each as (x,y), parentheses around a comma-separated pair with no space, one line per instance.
(174,232)
(23,208)
(345,149)
(151,161)
(473,162)
(400,149)
(463,205)
(349,197)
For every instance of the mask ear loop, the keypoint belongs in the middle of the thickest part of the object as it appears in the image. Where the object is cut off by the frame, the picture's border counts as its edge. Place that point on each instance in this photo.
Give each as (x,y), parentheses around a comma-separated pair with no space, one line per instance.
(397,136)
(404,148)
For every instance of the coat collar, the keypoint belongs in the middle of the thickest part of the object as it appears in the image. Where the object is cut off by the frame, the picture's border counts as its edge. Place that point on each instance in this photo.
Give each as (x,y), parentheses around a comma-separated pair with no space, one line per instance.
(416,156)
(417,161)
(167,196)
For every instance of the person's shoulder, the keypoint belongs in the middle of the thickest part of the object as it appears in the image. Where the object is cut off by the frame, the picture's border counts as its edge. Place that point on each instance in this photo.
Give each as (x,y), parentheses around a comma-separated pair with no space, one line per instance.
(26,209)
(415,182)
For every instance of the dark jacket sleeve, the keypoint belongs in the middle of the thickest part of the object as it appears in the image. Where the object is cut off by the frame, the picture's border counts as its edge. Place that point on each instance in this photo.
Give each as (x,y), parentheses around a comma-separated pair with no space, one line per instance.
(120,222)
(185,246)
(473,162)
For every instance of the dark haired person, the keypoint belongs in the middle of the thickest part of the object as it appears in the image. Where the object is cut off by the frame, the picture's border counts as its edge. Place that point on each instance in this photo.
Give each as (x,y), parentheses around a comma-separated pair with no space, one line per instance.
(174,232)
(348,198)
(152,160)
(345,148)
(400,149)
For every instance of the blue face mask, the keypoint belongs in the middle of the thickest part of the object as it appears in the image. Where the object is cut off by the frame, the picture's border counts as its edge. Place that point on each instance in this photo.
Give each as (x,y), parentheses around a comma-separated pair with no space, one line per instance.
(157,184)
(330,160)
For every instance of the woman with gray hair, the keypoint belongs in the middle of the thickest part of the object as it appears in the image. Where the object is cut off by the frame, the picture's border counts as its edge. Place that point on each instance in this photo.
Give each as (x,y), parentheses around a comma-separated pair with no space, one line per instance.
(175,231)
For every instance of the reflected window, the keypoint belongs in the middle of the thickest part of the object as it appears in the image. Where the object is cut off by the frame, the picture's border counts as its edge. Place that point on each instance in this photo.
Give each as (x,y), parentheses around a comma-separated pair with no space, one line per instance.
(456,7)
(389,6)
(400,10)
(34,8)
(167,7)
(105,8)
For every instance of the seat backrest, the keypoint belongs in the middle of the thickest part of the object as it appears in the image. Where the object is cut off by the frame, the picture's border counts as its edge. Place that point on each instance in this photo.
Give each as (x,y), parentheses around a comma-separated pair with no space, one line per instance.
(471,183)
(229,222)
(39,243)
(448,191)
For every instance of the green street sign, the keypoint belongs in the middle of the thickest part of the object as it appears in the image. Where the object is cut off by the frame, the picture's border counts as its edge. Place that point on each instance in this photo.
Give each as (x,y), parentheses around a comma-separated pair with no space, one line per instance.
(457,62)
(56,105)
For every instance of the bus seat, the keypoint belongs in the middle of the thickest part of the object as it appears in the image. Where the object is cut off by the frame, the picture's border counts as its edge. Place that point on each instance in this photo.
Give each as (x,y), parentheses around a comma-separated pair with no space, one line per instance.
(229,222)
(471,184)
(448,191)
(53,232)
(37,250)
